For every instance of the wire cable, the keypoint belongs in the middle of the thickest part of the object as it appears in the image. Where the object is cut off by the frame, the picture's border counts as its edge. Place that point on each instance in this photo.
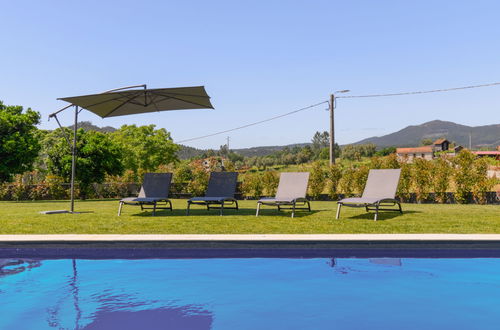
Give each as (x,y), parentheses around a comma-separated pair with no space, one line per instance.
(255,123)
(417,92)
(342,97)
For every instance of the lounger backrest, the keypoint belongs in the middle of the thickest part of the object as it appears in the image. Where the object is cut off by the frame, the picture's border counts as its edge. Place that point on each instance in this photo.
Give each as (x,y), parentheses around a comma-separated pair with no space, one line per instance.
(293,185)
(222,184)
(156,185)
(382,183)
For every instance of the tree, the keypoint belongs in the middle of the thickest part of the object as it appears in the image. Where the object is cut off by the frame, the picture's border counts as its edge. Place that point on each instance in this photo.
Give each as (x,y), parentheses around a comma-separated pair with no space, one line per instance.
(426,142)
(317,180)
(356,151)
(463,175)
(19,145)
(144,147)
(320,140)
(385,151)
(441,178)
(97,156)
(304,155)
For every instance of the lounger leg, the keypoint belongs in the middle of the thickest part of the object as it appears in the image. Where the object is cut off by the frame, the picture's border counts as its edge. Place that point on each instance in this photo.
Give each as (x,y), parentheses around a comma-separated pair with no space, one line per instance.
(339,206)
(293,210)
(258,209)
(400,209)
(376,212)
(236,205)
(221,208)
(120,208)
(170,205)
(187,210)
(309,206)
(154,208)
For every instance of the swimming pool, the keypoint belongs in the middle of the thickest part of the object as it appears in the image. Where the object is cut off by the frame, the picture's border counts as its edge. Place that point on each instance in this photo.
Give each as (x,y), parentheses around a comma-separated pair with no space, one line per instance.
(250,293)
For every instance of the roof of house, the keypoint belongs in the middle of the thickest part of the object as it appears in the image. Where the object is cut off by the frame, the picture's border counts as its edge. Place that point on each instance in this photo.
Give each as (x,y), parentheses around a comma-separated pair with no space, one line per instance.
(439,141)
(414,150)
(485,153)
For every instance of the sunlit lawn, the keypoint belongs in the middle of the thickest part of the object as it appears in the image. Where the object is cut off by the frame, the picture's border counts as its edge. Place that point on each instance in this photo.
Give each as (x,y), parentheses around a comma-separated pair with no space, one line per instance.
(100,217)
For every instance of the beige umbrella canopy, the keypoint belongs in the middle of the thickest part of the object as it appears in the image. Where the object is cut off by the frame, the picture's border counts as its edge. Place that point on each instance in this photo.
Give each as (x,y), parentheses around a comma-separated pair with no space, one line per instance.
(128,101)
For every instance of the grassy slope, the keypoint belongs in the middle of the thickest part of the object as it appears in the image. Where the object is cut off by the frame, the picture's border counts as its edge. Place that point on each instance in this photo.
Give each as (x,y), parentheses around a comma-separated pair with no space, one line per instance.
(99,217)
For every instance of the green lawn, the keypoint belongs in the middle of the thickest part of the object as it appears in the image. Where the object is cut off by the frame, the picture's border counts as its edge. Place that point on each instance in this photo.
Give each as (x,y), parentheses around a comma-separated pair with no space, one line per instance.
(99,217)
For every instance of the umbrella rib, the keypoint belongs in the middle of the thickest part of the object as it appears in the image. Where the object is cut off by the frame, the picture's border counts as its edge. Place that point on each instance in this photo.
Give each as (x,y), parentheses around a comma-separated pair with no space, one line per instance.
(105,101)
(119,106)
(179,99)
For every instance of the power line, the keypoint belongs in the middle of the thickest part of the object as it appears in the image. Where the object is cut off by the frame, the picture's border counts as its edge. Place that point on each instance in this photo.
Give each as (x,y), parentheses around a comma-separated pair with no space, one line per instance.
(417,92)
(255,123)
(342,97)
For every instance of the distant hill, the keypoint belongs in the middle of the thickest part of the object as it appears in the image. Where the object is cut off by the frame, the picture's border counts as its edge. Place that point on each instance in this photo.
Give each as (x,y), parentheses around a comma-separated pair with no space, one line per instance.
(482,136)
(267,150)
(411,136)
(189,152)
(88,126)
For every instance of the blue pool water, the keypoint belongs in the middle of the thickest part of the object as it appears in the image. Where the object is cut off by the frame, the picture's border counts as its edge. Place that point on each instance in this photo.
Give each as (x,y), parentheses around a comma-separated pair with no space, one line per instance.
(250,293)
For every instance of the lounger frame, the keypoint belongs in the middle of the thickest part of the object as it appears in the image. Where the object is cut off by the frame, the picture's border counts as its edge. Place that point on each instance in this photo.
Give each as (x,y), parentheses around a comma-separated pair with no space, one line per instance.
(155,184)
(378,195)
(295,204)
(291,193)
(379,205)
(220,193)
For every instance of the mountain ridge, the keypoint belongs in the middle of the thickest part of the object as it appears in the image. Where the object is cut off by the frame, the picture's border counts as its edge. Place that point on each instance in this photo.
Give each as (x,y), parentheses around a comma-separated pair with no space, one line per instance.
(411,136)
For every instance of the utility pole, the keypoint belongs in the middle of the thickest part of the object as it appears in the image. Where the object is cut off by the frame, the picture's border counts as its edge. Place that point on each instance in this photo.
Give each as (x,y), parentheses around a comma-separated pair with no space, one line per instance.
(332,126)
(227,144)
(332,130)
(470,141)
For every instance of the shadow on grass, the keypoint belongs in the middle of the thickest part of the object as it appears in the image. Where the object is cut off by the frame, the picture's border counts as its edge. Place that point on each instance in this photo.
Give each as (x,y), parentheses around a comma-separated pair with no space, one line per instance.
(63,201)
(215,212)
(381,216)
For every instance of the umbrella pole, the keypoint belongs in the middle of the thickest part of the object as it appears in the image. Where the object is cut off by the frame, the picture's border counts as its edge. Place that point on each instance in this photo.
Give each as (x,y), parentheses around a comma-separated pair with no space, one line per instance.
(73,162)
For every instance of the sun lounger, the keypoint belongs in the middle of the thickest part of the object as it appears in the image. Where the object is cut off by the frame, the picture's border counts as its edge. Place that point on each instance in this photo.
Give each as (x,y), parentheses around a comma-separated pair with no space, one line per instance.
(220,192)
(380,191)
(292,190)
(154,190)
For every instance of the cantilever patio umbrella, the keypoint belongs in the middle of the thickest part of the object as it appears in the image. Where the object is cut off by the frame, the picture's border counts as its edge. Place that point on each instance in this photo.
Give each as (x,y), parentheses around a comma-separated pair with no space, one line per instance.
(128,101)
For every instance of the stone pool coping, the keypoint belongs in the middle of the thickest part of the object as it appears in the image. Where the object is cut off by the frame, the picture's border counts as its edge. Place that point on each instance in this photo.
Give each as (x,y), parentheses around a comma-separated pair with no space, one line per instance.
(261,238)
(250,246)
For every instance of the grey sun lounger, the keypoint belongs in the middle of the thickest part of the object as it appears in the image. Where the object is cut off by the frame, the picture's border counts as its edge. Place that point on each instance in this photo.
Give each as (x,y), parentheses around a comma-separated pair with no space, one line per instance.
(292,190)
(154,190)
(220,192)
(380,192)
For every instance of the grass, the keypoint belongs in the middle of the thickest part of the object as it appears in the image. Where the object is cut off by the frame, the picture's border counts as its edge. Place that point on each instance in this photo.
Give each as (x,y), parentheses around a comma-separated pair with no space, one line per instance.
(99,217)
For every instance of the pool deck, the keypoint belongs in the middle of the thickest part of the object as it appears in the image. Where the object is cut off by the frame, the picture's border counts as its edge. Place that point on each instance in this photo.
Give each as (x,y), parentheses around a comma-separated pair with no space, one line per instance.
(250,246)
(253,238)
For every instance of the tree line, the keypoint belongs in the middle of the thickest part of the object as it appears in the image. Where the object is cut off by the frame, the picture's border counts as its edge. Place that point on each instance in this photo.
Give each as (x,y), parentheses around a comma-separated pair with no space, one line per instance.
(42,159)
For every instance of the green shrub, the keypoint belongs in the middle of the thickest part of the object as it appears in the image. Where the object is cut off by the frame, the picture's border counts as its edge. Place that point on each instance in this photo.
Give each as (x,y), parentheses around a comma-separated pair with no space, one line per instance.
(334,175)
(376,162)
(422,179)
(405,181)
(317,180)
(346,184)
(55,187)
(463,175)
(391,161)
(199,182)
(360,177)
(481,183)
(441,179)
(270,181)
(252,185)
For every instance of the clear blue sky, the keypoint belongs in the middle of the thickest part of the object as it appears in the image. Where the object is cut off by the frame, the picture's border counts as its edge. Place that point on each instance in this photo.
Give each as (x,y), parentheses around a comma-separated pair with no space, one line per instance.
(258,59)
